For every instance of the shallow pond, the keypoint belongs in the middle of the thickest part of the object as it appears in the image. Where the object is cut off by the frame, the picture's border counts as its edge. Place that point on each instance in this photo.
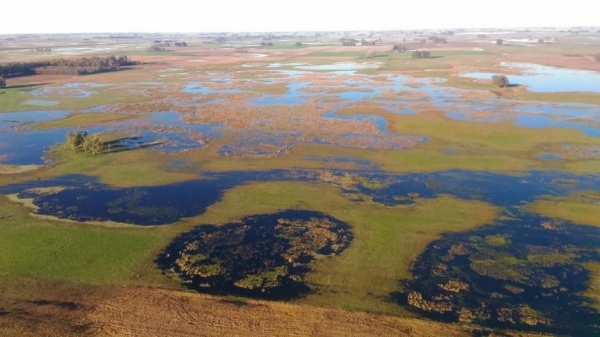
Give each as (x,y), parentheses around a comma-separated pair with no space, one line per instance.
(69,90)
(163,130)
(339,66)
(539,78)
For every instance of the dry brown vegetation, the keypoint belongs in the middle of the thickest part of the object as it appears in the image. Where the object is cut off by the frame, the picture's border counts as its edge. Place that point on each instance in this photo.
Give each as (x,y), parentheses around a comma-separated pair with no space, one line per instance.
(130,311)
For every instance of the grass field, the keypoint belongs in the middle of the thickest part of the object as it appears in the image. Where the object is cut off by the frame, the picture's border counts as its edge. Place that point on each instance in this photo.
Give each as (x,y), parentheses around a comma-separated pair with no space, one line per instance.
(79,253)
(386,240)
(581,212)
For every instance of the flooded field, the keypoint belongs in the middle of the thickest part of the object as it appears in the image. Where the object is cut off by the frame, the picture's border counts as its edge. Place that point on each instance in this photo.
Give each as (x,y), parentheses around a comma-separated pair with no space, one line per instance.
(525,271)
(354,177)
(262,256)
(541,78)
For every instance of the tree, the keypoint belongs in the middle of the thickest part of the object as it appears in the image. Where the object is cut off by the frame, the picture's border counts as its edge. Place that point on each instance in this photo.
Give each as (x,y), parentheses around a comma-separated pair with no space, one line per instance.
(499,42)
(75,140)
(157,47)
(400,47)
(421,54)
(92,145)
(541,41)
(80,141)
(2,82)
(500,81)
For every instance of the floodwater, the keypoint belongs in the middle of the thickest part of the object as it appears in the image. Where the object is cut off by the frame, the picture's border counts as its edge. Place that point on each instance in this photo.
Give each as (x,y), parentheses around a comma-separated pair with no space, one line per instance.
(263,256)
(84,199)
(549,271)
(21,145)
(524,271)
(69,90)
(191,198)
(539,78)
(398,94)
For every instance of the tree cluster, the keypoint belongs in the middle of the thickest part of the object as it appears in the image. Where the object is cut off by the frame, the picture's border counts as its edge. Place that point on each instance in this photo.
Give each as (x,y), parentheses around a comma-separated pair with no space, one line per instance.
(157,47)
(500,81)
(348,42)
(364,42)
(399,47)
(421,54)
(81,66)
(181,44)
(437,39)
(77,141)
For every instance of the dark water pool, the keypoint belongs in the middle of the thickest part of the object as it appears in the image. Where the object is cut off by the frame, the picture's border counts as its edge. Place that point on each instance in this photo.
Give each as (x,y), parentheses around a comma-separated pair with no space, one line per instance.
(524,271)
(262,256)
(85,199)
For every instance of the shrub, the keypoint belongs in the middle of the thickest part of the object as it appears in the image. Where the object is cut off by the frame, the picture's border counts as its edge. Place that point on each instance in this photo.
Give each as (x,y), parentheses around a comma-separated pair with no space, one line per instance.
(500,81)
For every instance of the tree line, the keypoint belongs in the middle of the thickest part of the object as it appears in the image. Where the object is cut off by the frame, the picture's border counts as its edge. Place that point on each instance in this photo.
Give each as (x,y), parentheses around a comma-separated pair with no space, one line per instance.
(421,54)
(81,66)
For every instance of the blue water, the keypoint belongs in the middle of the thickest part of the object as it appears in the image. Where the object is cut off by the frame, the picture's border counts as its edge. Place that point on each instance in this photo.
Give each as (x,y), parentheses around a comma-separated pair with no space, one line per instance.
(70,90)
(169,203)
(379,121)
(199,88)
(548,79)
(292,97)
(19,145)
(537,121)
(30,116)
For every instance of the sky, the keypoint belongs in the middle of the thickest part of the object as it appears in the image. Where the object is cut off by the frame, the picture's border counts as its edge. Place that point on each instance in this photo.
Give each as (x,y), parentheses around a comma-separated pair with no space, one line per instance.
(109,16)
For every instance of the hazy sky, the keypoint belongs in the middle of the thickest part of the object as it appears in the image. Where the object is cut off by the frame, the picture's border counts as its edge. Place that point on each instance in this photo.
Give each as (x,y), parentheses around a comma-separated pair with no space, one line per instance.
(80,16)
